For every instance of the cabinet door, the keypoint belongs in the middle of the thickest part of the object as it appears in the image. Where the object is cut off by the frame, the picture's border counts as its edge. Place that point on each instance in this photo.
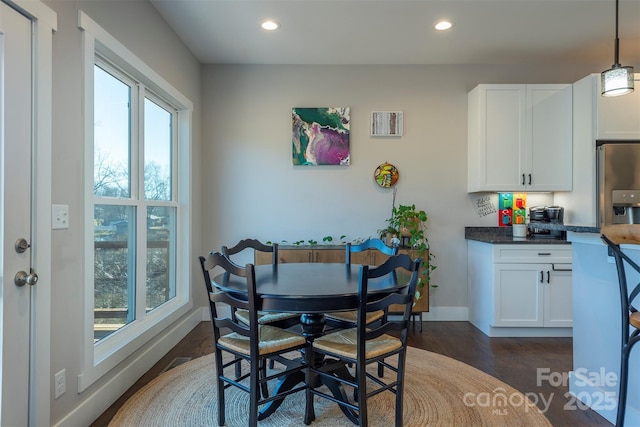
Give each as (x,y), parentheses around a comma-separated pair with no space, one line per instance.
(294,255)
(262,258)
(310,254)
(547,154)
(329,255)
(377,257)
(558,304)
(368,257)
(361,258)
(518,297)
(496,125)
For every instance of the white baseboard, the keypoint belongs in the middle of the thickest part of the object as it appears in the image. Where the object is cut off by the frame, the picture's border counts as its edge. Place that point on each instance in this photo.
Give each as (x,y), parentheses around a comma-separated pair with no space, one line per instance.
(102,398)
(446,314)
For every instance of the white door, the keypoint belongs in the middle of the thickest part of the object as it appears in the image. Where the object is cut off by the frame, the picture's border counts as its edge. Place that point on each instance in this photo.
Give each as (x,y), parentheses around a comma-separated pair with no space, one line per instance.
(15,213)
(25,210)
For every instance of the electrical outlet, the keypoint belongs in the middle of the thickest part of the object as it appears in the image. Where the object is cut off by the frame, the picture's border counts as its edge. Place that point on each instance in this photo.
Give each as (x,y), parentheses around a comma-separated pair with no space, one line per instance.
(59,216)
(60,383)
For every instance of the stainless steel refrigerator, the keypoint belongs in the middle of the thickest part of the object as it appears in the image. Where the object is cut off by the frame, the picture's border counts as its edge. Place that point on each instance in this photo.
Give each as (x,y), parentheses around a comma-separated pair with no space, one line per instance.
(618,172)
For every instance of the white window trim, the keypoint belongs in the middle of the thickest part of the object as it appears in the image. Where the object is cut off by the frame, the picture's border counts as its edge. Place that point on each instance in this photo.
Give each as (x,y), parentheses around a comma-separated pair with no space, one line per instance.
(100,359)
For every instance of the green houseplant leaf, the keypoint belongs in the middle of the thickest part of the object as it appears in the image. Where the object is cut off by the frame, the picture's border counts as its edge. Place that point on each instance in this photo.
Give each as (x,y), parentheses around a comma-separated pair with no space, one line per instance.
(409,224)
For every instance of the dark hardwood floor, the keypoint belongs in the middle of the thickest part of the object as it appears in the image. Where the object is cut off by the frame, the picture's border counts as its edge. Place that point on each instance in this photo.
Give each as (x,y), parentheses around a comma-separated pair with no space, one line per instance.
(516,361)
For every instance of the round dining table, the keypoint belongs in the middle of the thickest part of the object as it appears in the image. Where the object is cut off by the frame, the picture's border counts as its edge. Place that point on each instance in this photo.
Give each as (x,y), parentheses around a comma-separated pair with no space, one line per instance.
(310,289)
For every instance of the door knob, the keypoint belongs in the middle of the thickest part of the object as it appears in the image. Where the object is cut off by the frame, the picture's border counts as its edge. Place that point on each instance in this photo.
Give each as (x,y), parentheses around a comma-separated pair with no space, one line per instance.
(22,278)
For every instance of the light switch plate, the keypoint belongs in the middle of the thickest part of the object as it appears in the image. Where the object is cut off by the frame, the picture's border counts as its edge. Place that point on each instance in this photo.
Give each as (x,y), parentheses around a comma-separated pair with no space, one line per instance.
(59,216)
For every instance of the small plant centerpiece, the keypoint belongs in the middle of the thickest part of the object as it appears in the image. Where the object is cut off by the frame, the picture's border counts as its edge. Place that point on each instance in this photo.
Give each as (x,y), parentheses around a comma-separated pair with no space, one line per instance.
(409,225)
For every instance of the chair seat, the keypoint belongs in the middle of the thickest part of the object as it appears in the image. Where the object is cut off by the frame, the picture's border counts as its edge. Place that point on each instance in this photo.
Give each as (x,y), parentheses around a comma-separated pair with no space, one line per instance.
(264,317)
(352,316)
(271,339)
(344,343)
(634,319)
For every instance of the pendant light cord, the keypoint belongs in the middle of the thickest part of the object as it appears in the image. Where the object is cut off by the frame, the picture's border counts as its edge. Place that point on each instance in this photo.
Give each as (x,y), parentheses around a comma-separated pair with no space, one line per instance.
(616,60)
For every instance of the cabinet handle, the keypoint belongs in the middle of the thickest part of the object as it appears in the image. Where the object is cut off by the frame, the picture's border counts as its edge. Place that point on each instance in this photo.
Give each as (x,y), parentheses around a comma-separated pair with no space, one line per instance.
(529,179)
(544,253)
(541,276)
(548,276)
(522,179)
(553,267)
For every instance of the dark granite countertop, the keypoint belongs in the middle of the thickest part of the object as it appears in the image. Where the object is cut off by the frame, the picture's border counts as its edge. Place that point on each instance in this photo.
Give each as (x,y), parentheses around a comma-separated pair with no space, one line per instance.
(566,227)
(504,235)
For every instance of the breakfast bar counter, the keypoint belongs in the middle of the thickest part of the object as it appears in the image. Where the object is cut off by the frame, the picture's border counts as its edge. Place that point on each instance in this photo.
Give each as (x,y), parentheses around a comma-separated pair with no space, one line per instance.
(595,302)
(596,331)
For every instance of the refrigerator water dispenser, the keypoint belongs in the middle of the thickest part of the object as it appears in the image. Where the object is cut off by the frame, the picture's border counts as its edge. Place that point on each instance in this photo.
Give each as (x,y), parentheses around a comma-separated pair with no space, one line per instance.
(626,206)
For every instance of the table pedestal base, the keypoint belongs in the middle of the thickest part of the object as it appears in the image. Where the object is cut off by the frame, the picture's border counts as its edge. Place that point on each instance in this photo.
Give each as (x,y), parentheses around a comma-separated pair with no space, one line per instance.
(312,327)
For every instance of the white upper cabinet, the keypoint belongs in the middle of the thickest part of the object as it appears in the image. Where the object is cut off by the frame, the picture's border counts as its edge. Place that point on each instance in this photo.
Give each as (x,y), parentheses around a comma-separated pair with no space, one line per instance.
(520,138)
(618,116)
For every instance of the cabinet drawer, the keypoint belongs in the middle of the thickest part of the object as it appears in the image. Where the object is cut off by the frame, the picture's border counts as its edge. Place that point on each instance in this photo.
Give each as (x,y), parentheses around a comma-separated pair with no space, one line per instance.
(532,253)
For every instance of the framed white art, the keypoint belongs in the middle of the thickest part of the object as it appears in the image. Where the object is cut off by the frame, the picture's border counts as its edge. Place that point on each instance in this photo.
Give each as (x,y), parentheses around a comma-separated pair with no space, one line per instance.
(386,123)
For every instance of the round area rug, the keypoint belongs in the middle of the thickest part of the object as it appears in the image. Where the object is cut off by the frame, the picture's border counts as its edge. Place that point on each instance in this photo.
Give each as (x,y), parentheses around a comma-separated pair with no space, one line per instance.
(439,391)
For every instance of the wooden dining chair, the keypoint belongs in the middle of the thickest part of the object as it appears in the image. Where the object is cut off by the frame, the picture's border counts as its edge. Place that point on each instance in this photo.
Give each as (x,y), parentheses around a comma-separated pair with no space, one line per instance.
(347,319)
(279,319)
(249,345)
(365,344)
(614,236)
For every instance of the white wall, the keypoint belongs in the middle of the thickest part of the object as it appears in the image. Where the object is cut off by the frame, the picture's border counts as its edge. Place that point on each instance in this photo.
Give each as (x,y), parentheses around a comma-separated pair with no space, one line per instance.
(140,28)
(252,189)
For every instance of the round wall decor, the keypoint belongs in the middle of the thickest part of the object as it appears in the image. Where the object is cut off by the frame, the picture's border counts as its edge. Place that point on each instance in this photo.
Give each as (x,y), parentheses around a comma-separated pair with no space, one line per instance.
(386,175)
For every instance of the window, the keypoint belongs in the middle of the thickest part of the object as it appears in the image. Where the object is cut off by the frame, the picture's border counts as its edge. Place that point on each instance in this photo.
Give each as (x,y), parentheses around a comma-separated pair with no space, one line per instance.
(137,162)
(124,199)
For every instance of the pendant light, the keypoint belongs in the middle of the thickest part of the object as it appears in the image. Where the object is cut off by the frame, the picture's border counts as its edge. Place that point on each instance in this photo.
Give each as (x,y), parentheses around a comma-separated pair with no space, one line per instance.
(617,80)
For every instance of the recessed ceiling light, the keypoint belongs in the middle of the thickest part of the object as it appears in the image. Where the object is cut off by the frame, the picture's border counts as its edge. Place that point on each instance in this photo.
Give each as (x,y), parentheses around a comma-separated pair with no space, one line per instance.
(269,25)
(443,25)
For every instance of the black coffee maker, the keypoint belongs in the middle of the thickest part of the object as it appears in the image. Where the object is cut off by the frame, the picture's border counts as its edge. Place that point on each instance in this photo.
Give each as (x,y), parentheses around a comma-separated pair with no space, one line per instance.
(548,215)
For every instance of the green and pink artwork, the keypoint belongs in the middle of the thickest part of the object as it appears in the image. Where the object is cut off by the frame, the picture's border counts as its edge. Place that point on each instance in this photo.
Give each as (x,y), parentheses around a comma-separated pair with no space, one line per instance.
(321,136)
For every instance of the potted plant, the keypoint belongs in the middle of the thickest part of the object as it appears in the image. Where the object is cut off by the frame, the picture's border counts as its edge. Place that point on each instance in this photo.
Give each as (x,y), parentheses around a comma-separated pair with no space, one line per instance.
(409,225)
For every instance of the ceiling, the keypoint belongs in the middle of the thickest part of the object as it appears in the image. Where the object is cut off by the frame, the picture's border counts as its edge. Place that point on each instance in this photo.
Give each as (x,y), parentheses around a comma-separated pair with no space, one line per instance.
(401,31)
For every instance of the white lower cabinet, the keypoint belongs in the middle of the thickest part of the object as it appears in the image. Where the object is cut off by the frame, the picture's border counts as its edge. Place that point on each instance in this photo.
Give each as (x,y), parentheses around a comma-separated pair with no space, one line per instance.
(532,295)
(520,290)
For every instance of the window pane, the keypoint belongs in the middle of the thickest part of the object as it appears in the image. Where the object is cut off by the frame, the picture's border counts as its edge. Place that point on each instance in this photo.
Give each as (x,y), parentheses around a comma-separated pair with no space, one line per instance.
(161,243)
(114,268)
(112,126)
(157,151)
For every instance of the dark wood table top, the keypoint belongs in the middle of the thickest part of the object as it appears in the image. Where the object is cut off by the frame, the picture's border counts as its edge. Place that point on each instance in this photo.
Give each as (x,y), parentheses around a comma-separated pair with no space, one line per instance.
(309,287)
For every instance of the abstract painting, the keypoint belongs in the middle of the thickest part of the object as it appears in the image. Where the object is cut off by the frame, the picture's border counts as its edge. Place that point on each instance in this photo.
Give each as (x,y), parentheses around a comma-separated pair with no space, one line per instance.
(321,136)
